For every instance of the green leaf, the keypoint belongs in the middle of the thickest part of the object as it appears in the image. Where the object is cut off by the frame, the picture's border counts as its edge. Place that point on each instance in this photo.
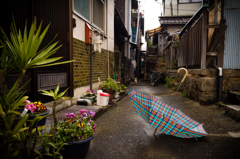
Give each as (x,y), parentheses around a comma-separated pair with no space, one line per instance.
(37,152)
(56,90)
(20,124)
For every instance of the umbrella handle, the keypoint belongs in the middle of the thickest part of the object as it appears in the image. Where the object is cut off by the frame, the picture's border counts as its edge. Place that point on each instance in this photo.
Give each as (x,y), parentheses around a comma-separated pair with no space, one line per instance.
(184,75)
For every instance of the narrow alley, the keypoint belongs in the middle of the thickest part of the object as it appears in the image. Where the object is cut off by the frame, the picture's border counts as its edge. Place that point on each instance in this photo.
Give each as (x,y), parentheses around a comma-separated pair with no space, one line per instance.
(121,133)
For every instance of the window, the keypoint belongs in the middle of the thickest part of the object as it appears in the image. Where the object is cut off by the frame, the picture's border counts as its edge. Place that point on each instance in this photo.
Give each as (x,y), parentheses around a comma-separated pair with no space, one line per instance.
(98,13)
(82,7)
(189,1)
(92,11)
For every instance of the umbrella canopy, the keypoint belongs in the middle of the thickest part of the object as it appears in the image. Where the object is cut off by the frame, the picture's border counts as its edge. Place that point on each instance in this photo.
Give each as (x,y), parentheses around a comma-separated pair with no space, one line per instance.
(165,118)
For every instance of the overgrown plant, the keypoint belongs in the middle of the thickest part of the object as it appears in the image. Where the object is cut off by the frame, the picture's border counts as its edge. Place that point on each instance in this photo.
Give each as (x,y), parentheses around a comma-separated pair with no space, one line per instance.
(109,84)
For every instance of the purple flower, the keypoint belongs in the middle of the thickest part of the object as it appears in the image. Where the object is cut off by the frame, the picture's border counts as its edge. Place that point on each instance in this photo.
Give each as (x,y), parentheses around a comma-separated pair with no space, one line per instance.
(93,91)
(89,90)
(84,115)
(91,113)
(71,115)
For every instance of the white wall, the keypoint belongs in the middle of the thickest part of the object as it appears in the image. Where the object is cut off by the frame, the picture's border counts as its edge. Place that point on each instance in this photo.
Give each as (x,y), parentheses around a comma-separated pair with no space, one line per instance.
(108,35)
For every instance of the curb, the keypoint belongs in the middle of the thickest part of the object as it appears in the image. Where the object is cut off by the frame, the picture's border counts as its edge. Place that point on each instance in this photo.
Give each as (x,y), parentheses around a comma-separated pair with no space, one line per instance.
(110,105)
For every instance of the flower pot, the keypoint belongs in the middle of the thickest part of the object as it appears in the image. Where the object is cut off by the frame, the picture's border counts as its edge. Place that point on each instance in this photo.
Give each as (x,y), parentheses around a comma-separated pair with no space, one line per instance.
(77,149)
(41,122)
(92,98)
(111,92)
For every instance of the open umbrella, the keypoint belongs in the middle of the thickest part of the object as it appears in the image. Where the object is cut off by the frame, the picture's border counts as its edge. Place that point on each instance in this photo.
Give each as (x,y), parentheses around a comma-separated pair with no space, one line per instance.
(165,118)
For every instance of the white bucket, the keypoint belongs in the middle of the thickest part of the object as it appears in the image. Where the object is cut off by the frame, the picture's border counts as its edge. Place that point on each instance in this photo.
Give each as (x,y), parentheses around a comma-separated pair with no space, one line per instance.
(104,98)
(98,96)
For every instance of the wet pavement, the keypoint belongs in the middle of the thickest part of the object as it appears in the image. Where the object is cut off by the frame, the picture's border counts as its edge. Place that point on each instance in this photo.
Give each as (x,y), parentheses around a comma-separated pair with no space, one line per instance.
(123,134)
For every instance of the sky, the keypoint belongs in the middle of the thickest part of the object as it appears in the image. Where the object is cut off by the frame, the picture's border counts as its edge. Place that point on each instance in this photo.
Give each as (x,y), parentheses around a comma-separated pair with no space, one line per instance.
(151,11)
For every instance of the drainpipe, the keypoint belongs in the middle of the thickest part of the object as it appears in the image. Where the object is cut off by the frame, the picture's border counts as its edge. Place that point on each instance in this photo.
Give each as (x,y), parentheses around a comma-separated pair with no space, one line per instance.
(220,81)
(128,28)
(91,74)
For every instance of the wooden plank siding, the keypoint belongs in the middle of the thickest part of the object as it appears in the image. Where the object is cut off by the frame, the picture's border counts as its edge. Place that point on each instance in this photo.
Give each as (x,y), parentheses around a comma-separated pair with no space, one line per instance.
(190,46)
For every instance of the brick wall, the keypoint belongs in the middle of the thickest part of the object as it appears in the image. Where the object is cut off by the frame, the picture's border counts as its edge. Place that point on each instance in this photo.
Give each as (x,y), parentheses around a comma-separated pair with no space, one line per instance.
(82,68)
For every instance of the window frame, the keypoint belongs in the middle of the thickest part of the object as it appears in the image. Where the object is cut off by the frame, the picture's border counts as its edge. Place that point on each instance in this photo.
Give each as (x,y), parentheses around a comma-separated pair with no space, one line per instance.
(190,1)
(90,21)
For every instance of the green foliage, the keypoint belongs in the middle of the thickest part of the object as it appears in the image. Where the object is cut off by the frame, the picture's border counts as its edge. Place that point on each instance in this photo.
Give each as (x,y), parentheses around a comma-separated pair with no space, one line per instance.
(170,82)
(109,84)
(47,145)
(150,44)
(123,86)
(76,127)
(183,94)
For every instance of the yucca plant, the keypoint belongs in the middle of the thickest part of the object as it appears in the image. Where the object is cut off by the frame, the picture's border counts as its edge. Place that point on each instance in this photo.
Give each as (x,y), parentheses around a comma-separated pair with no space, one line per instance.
(23,49)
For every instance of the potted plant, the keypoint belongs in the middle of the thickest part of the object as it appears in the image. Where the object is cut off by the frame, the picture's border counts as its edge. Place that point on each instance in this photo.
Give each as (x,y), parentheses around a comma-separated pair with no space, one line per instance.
(109,86)
(36,108)
(89,94)
(122,88)
(77,131)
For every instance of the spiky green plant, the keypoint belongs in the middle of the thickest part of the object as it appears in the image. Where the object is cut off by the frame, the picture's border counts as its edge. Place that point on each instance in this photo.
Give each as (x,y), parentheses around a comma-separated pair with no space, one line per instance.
(54,94)
(23,49)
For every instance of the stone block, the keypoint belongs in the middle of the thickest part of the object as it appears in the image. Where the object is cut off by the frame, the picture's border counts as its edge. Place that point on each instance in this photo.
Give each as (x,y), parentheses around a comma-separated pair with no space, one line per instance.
(231,73)
(207,98)
(233,111)
(233,84)
(208,84)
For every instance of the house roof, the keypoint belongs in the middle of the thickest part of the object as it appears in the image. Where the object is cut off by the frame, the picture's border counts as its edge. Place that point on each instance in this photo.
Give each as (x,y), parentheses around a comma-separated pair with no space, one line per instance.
(119,26)
(154,31)
(174,20)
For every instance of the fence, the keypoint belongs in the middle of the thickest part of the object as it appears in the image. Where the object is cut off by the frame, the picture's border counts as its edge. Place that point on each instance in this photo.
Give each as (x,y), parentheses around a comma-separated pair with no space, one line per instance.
(193,41)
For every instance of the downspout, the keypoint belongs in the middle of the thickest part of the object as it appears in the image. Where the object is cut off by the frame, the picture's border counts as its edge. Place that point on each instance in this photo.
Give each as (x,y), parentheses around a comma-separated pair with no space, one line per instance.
(128,29)
(137,26)
(220,81)
(91,74)
(107,35)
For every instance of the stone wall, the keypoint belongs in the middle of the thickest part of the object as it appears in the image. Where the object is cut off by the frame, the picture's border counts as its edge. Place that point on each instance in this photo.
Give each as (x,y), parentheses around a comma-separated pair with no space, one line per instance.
(82,67)
(150,65)
(231,82)
(202,85)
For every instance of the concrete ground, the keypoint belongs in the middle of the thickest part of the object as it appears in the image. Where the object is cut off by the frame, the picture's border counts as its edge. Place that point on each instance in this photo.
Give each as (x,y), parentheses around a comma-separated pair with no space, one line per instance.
(123,134)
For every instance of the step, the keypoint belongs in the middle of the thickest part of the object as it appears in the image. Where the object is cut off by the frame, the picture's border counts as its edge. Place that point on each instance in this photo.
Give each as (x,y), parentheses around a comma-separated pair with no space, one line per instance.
(233,111)
(234,97)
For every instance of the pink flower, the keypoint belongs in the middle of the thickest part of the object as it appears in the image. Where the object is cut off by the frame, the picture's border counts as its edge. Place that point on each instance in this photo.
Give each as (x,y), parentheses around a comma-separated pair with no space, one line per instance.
(26,101)
(83,111)
(84,115)
(94,127)
(67,115)
(71,115)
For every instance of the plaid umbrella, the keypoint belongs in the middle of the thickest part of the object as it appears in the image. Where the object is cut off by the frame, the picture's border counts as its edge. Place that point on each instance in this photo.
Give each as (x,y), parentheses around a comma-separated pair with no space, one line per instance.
(165,118)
